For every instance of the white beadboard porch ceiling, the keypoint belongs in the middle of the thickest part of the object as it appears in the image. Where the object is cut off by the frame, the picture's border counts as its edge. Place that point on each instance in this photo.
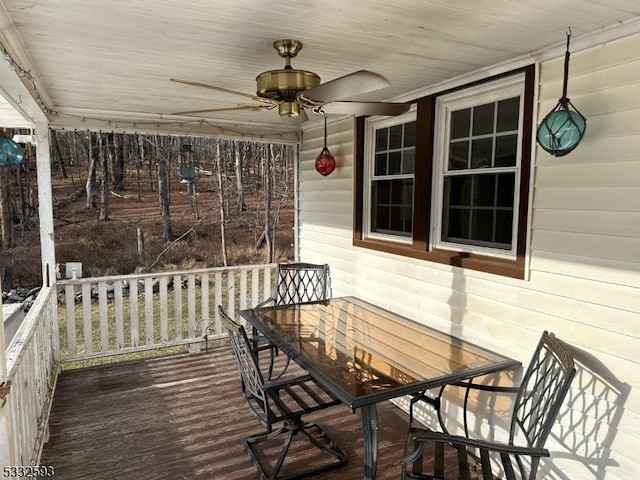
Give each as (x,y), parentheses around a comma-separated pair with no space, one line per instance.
(111,60)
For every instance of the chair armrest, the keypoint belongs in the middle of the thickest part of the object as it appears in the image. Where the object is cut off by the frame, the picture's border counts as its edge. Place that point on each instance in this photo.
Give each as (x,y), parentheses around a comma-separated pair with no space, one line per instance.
(497,447)
(265,302)
(287,382)
(469,385)
(486,388)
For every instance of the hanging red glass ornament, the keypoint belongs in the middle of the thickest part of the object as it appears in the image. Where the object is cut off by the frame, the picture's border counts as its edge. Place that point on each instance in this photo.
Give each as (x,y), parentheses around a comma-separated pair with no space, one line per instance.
(325,162)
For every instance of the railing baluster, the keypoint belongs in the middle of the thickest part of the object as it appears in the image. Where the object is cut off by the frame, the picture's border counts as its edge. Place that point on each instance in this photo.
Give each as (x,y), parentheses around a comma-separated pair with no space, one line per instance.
(70,311)
(133,310)
(204,301)
(164,310)
(218,301)
(177,306)
(148,310)
(86,318)
(104,318)
(255,286)
(243,289)
(266,288)
(191,304)
(231,292)
(117,300)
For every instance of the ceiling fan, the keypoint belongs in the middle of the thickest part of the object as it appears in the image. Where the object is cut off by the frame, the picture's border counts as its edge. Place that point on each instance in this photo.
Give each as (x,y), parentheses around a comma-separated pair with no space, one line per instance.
(292,91)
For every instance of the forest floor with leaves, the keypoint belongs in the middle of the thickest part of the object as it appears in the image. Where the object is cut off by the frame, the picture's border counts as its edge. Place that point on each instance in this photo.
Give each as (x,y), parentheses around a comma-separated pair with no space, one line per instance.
(110,247)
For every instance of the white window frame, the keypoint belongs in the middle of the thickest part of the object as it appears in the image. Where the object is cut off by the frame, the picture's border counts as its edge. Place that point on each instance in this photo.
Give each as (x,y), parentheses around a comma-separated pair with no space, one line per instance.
(371,125)
(505,88)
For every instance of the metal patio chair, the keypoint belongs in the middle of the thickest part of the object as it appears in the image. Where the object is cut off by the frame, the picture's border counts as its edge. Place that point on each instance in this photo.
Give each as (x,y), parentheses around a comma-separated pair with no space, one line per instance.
(537,403)
(283,402)
(295,283)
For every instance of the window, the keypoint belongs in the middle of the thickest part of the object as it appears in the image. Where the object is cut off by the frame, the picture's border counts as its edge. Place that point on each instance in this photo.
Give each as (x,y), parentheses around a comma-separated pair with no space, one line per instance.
(390,178)
(477,166)
(448,182)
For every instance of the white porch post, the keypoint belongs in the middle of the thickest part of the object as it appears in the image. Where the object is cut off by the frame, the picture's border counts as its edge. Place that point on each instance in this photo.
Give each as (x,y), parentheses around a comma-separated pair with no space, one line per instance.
(45,200)
(7,449)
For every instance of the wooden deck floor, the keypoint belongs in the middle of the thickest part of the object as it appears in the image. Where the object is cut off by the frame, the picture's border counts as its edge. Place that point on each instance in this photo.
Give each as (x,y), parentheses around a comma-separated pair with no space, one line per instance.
(181,417)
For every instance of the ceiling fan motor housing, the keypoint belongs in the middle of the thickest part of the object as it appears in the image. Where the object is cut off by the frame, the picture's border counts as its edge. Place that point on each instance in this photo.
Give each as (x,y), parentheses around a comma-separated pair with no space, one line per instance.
(284,85)
(278,84)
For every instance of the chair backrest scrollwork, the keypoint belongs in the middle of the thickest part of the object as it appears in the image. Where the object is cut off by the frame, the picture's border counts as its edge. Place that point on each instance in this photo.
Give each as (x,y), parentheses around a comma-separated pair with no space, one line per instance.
(542,390)
(301,283)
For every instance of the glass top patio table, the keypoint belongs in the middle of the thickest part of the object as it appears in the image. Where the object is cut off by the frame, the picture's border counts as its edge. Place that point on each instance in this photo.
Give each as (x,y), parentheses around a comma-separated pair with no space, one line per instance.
(365,354)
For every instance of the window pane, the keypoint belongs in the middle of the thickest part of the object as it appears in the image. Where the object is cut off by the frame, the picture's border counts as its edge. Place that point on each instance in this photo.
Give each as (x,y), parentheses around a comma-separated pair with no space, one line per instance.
(484,190)
(392,206)
(506,150)
(381,192)
(459,190)
(396,220)
(395,137)
(381,139)
(409,134)
(483,119)
(506,187)
(481,153)
(508,113)
(460,122)
(457,223)
(381,164)
(459,155)
(395,163)
(482,225)
(381,218)
(408,160)
(471,209)
(408,219)
(504,227)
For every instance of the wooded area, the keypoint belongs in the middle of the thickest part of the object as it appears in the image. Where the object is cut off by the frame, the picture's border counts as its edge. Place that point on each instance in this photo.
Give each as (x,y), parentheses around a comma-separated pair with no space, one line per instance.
(124,192)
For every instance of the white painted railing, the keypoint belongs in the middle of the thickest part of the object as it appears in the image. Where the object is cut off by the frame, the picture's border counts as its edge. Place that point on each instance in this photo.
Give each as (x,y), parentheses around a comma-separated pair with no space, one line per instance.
(32,361)
(130,313)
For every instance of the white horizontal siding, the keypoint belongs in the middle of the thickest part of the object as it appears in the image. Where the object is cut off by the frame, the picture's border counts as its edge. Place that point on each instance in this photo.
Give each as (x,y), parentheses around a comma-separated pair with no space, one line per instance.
(584,269)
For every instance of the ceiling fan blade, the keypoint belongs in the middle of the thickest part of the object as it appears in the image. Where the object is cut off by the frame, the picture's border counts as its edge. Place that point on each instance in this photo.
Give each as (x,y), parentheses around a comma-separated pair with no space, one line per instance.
(355,83)
(366,108)
(250,108)
(222,89)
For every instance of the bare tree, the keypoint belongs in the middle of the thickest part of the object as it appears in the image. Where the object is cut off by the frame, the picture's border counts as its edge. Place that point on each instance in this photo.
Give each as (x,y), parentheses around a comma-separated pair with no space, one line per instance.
(268,195)
(223,221)
(93,153)
(138,165)
(55,147)
(104,178)
(162,159)
(116,146)
(239,157)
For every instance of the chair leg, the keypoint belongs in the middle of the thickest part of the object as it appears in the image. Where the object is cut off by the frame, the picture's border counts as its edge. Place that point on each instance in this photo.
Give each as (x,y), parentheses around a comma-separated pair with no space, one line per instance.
(290,430)
(463,463)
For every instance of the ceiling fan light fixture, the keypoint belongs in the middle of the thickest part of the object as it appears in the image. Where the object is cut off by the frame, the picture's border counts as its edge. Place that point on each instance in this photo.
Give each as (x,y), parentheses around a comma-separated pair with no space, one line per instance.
(289,109)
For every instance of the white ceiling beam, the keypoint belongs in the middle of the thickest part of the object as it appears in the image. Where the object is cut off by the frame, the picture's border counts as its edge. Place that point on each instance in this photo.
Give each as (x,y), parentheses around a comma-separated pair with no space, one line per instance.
(123,122)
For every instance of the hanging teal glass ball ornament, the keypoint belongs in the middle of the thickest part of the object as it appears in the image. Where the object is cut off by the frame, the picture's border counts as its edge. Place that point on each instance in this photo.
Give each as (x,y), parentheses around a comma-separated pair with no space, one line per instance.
(10,153)
(561,130)
(564,126)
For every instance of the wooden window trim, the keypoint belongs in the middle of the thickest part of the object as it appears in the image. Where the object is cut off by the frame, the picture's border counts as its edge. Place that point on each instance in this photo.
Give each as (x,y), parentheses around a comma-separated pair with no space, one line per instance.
(423,180)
